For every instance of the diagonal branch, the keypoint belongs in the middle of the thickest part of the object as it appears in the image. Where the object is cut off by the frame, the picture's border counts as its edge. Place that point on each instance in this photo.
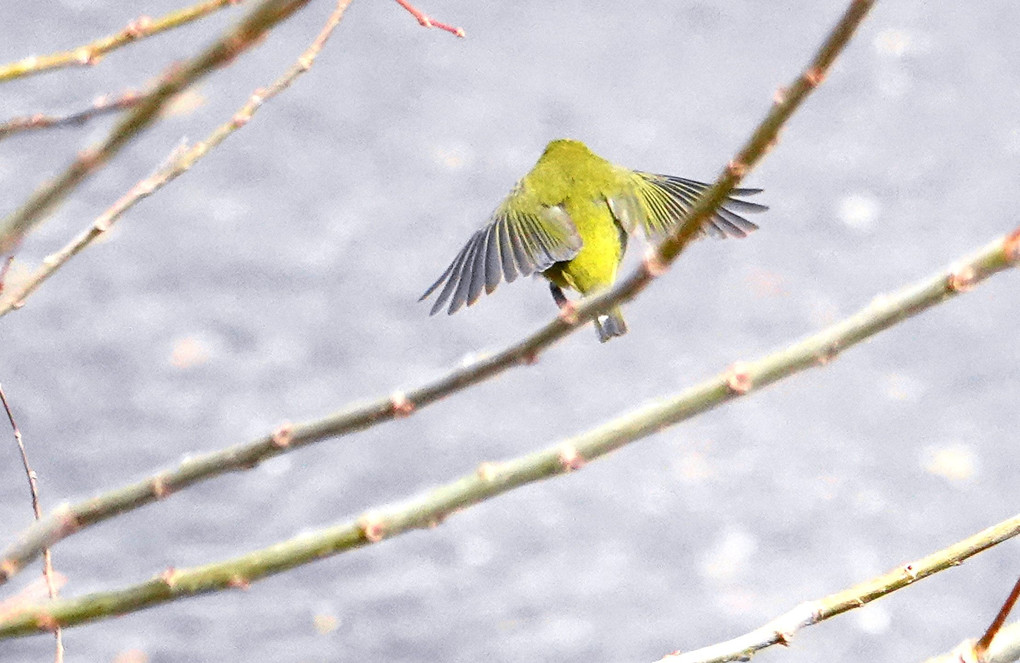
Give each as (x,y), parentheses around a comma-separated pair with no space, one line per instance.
(179,163)
(426,21)
(762,140)
(93,52)
(33,488)
(491,479)
(1005,648)
(779,631)
(983,644)
(357,417)
(104,105)
(242,37)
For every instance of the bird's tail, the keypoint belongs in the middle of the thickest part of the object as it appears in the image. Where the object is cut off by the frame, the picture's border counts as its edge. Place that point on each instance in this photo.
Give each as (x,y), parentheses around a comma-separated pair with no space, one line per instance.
(610,324)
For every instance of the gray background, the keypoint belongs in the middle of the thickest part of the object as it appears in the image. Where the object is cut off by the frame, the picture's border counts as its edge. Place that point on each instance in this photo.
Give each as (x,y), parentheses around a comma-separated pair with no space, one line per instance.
(292,256)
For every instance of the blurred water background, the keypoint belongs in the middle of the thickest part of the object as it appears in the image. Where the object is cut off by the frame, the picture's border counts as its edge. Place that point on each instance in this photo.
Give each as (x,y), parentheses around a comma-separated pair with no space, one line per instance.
(277,281)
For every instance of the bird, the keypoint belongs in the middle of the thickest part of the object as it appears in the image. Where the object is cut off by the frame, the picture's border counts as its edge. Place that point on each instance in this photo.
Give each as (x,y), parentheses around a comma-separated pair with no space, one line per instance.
(569,220)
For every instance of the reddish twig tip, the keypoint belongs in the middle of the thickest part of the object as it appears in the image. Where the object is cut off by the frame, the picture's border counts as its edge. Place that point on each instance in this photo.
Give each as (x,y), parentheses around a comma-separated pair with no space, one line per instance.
(426,21)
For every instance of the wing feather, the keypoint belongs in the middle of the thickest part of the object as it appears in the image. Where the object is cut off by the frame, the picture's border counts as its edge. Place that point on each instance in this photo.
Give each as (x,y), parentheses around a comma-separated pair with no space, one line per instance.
(506,252)
(515,241)
(450,276)
(662,202)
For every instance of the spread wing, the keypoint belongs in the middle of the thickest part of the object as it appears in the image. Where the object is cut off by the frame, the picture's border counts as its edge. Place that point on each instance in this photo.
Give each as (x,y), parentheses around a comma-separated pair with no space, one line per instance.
(660,203)
(514,242)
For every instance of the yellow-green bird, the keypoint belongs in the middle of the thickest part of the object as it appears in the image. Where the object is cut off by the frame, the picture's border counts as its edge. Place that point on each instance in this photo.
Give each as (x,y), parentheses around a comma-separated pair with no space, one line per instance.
(569,219)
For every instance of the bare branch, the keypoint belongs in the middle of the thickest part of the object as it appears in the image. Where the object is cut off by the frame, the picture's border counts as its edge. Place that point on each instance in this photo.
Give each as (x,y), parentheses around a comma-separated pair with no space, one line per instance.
(33,487)
(102,106)
(1004,649)
(985,641)
(492,478)
(242,37)
(179,163)
(427,21)
(93,52)
(781,630)
(762,140)
(240,572)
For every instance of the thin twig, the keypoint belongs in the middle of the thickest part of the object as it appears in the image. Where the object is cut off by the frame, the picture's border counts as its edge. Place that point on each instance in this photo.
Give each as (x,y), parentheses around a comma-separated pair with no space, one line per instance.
(983,643)
(4,270)
(102,106)
(33,487)
(761,142)
(781,630)
(240,572)
(178,163)
(355,418)
(1004,649)
(92,53)
(427,21)
(493,479)
(242,37)
(527,351)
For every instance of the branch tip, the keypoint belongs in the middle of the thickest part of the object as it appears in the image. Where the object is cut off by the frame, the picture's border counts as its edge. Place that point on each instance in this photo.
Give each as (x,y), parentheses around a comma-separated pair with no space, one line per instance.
(426,21)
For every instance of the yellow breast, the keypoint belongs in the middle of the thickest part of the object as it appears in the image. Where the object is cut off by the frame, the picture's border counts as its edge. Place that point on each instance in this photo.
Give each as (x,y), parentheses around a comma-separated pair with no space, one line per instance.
(594,267)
